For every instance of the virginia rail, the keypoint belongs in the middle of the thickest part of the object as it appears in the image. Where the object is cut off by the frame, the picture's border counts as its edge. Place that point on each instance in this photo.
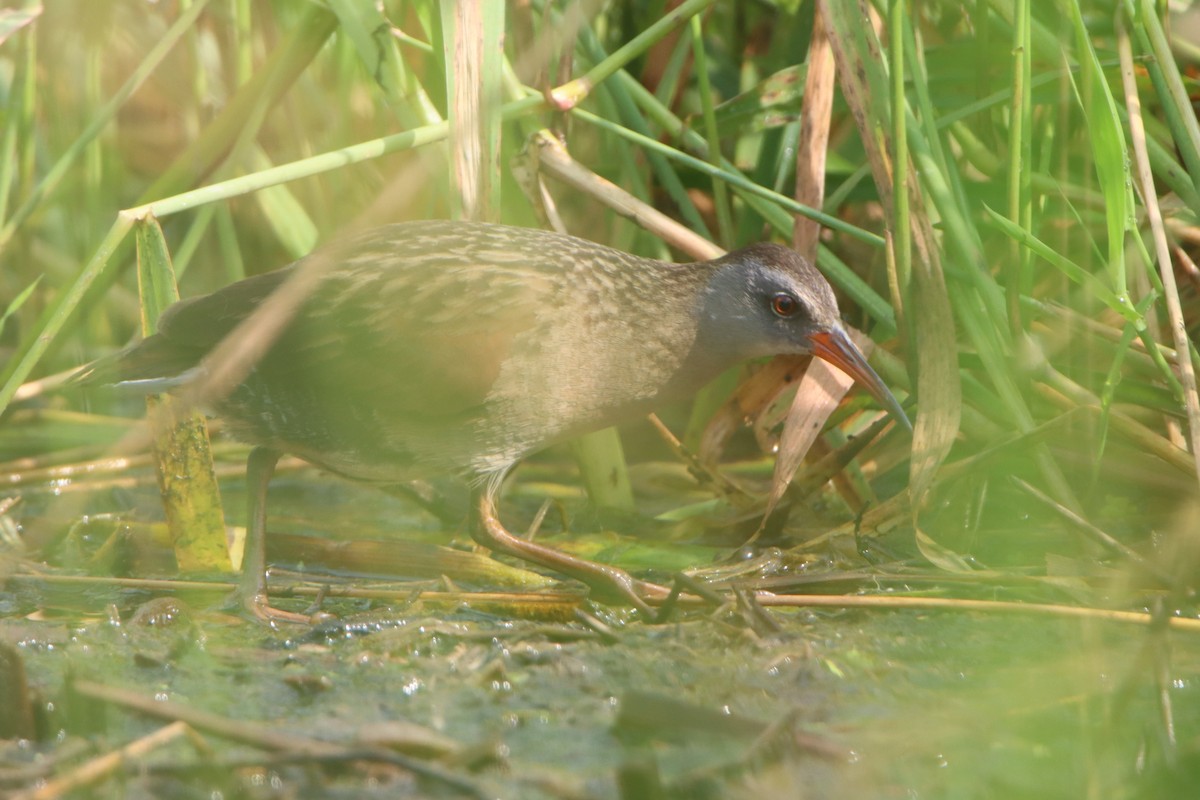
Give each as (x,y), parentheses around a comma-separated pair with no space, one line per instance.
(461,347)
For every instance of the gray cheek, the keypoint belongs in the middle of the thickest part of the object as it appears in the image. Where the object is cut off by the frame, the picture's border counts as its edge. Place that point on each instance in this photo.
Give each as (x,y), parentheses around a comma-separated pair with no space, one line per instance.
(744,310)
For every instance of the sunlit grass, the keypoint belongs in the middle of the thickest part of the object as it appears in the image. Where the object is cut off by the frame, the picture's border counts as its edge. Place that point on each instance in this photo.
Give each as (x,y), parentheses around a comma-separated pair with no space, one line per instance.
(1020,217)
(986,222)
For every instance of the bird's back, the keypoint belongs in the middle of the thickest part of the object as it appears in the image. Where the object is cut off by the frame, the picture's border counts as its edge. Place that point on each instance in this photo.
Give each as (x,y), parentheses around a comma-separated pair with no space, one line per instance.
(440,345)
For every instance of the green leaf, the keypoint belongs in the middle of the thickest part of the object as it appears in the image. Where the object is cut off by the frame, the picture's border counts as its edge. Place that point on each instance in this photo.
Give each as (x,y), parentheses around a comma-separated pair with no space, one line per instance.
(19,301)
(773,102)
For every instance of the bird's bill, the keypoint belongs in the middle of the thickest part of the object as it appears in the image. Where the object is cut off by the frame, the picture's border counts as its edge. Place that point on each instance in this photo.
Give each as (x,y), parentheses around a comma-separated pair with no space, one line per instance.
(836,348)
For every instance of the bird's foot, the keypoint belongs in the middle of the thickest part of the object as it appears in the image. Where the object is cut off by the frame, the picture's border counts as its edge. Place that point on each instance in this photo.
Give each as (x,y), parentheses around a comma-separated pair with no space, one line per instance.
(258,608)
(610,581)
(251,601)
(606,580)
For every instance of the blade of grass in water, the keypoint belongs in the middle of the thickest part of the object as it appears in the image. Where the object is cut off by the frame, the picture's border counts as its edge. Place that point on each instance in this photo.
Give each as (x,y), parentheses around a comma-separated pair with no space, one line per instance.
(184,459)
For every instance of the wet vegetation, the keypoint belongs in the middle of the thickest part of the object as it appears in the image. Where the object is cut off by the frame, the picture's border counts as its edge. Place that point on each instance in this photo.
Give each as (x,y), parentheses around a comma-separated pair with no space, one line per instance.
(1000,603)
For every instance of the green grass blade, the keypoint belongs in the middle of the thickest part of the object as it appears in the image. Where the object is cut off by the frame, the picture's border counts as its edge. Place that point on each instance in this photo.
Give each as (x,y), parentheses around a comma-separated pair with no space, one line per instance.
(57,314)
(186,478)
(102,118)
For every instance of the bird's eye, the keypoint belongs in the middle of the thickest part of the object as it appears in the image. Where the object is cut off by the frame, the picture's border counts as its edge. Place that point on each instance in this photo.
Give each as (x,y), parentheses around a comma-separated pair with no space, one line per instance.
(784,305)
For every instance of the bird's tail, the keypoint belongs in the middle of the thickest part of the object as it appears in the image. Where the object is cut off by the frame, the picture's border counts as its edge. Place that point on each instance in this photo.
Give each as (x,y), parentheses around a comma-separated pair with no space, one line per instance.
(150,366)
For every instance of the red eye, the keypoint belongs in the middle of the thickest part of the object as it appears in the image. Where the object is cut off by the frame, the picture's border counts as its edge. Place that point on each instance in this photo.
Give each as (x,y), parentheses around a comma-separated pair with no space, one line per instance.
(784,305)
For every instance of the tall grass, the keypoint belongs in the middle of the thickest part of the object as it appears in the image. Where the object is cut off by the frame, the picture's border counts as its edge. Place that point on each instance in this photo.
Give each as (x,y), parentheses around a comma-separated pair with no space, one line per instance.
(1001,209)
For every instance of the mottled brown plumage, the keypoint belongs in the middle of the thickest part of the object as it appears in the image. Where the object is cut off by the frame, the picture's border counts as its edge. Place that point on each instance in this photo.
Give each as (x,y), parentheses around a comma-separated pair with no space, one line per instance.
(454,346)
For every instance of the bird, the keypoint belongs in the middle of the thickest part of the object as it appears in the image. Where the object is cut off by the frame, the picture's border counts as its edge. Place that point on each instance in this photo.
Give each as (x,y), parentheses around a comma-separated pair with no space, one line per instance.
(434,346)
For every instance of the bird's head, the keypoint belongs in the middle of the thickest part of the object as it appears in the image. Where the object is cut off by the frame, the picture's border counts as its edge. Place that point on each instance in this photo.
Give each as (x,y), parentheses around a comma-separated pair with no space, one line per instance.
(767,300)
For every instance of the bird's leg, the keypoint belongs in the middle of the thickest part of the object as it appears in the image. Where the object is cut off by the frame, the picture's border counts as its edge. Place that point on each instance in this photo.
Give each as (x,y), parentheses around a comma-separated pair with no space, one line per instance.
(252,587)
(604,578)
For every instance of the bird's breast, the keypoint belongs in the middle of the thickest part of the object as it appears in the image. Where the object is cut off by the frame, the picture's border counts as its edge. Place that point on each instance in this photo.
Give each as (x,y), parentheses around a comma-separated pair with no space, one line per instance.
(563,380)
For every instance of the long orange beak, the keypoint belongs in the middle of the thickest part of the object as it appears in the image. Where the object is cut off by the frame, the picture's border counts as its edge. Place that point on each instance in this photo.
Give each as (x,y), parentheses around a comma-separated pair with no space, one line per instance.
(836,348)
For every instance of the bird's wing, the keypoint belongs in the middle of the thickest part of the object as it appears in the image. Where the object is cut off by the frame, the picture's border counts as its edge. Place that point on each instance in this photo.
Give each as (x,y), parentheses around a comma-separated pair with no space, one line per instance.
(422,314)
(426,338)
(419,317)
